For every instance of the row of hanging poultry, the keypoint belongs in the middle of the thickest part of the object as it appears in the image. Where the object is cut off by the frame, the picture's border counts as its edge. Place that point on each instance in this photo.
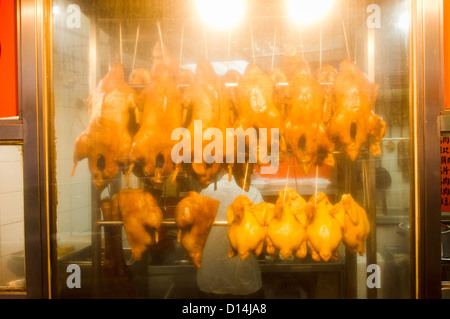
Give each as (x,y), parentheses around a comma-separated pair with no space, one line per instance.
(312,111)
(291,227)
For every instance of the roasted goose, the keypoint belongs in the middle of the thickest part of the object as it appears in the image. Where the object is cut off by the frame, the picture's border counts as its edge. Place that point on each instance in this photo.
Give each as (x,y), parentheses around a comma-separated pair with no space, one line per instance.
(162,113)
(356,224)
(324,233)
(256,107)
(286,231)
(247,231)
(305,132)
(208,104)
(106,142)
(194,216)
(141,219)
(326,76)
(354,122)
(114,264)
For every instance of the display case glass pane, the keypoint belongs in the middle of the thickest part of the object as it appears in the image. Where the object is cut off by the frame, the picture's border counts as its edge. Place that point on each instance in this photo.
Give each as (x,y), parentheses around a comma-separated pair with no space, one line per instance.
(149,178)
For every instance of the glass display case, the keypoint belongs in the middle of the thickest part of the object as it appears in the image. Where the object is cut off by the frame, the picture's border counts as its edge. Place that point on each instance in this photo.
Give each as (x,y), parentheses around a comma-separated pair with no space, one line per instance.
(292,132)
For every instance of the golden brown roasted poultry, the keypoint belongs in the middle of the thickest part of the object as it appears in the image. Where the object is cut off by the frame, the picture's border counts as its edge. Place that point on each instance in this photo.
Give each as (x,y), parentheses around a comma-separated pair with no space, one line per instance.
(281,91)
(326,76)
(247,231)
(324,232)
(354,122)
(194,216)
(305,132)
(141,217)
(106,142)
(162,113)
(114,264)
(256,108)
(356,224)
(209,105)
(286,231)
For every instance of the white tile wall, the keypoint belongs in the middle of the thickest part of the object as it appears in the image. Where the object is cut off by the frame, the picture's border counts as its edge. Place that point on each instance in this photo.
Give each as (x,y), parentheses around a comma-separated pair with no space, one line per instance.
(11,214)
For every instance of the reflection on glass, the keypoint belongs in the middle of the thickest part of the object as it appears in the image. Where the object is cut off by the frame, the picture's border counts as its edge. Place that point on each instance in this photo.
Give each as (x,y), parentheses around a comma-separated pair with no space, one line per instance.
(121,45)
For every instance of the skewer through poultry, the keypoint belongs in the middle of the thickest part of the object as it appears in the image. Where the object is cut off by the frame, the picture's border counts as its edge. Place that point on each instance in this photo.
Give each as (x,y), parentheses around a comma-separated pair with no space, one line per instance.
(354,122)
(286,231)
(194,217)
(106,142)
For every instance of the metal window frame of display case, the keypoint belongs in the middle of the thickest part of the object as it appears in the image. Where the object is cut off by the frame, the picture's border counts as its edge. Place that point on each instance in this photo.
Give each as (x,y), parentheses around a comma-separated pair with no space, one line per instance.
(35,98)
(29,131)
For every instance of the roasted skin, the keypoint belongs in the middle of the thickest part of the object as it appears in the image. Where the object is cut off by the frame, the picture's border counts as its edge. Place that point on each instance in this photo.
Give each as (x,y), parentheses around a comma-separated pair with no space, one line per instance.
(194,216)
(141,219)
(324,233)
(207,101)
(247,231)
(281,91)
(161,114)
(286,231)
(354,122)
(356,224)
(326,76)
(106,142)
(257,109)
(305,132)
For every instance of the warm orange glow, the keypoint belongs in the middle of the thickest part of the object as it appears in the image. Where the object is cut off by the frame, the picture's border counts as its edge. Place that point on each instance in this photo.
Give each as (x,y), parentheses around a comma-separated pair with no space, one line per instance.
(221,14)
(308,11)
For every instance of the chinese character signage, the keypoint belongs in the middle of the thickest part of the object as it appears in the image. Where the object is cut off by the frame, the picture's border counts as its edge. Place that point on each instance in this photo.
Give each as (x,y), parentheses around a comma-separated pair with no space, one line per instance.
(8,60)
(445,174)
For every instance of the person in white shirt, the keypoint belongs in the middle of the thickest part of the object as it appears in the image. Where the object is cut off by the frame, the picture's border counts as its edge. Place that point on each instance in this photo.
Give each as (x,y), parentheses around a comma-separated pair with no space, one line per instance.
(219,275)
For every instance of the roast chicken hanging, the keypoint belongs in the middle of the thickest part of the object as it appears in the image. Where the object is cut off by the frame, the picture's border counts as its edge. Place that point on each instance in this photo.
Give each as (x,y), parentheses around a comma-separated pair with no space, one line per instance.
(106,142)
(150,154)
(356,226)
(194,217)
(286,231)
(208,106)
(305,132)
(324,233)
(247,226)
(354,123)
(141,217)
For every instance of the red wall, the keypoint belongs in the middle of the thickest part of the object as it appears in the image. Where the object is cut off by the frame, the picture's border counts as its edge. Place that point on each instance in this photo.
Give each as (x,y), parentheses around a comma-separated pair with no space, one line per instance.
(8,60)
